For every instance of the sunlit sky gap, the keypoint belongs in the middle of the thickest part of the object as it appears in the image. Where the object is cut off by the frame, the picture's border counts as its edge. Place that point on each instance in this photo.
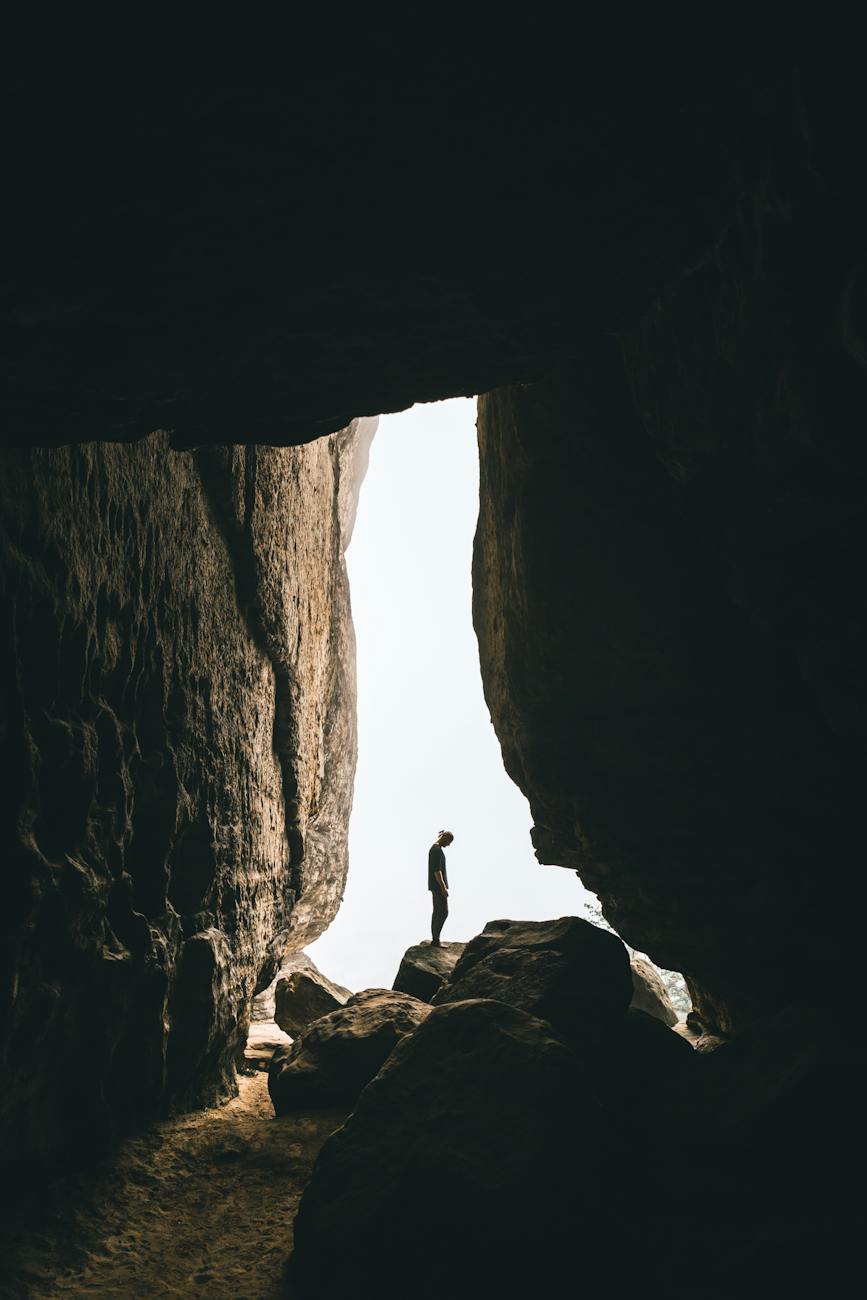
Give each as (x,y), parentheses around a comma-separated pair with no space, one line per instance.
(428,756)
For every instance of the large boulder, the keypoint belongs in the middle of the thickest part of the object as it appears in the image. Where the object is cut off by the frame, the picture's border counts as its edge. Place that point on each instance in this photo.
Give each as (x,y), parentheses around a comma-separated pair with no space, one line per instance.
(566,971)
(427,1181)
(648,1074)
(263,1005)
(303,996)
(341,1052)
(649,993)
(424,969)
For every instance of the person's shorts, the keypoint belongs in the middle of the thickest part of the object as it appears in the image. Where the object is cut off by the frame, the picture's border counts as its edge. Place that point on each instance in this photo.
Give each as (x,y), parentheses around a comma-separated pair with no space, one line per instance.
(440,902)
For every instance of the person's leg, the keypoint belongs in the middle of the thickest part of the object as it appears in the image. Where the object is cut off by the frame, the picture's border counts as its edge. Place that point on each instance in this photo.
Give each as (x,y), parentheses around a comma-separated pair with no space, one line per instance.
(440,912)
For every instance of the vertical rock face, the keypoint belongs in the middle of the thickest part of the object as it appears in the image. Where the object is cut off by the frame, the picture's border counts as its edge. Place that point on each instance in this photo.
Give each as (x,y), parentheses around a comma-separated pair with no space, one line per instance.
(671,645)
(179,720)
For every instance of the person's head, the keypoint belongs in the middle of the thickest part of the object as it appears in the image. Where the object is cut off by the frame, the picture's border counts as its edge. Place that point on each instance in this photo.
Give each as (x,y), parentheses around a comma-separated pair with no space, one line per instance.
(444,839)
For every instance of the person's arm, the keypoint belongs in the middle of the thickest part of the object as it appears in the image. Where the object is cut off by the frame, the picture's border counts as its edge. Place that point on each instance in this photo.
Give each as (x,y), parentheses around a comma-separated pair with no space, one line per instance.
(438,877)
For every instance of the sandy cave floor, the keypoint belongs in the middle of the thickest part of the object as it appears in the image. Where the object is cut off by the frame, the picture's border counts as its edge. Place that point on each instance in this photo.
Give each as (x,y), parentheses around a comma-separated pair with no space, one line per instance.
(199,1206)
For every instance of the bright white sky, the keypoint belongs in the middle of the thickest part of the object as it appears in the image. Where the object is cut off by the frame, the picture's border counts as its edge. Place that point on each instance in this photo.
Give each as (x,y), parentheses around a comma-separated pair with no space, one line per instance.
(427,754)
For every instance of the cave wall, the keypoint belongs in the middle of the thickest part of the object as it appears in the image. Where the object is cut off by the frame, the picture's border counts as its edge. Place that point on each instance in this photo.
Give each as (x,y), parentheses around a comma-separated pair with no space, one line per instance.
(179,730)
(667,596)
(654,270)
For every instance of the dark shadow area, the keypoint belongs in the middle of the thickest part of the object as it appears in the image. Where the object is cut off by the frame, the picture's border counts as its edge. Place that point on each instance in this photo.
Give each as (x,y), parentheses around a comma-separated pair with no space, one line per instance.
(672,357)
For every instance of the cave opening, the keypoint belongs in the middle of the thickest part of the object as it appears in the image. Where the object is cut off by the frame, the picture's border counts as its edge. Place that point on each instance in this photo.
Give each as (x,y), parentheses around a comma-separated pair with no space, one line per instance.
(428,756)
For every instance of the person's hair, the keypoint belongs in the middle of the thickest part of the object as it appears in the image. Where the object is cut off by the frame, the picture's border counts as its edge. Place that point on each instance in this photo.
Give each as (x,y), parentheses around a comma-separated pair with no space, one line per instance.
(441,833)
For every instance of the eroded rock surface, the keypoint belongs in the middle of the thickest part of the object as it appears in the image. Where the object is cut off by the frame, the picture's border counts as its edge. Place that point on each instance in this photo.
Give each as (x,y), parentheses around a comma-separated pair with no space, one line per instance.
(304,996)
(340,1053)
(424,969)
(569,972)
(179,717)
(649,993)
(263,1005)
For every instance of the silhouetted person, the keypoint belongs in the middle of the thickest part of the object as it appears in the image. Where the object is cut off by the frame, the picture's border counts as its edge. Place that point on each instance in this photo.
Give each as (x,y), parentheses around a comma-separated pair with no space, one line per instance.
(438,884)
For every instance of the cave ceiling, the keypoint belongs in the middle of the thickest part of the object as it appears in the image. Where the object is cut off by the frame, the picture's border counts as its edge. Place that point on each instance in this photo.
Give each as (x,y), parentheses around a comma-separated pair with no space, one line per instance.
(180,249)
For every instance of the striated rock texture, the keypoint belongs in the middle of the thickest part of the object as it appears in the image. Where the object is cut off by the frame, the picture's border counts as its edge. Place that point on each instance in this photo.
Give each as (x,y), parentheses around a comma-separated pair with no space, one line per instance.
(179,723)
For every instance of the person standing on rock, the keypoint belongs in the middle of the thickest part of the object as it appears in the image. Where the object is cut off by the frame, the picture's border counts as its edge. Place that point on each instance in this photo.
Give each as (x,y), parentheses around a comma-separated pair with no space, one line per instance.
(438,884)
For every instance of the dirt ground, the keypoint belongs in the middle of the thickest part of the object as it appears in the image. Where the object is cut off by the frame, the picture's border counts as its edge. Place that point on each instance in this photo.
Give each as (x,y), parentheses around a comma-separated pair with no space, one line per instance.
(200,1206)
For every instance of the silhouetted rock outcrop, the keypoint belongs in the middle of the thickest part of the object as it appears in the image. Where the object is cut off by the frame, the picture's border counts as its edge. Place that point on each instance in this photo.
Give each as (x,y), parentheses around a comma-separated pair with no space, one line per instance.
(340,1053)
(649,993)
(178,662)
(481,1149)
(569,972)
(303,996)
(424,969)
(649,1074)
(657,565)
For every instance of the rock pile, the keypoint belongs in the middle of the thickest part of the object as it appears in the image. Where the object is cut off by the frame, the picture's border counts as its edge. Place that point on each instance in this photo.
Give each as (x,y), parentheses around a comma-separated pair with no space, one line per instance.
(498,1136)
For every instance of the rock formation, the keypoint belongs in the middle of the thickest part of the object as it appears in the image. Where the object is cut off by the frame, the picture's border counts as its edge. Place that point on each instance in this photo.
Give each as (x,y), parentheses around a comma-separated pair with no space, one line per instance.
(224,324)
(340,1053)
(569,972)
(303,996)
(179,720)
(424,969)
(666,575)
(264,1038)
(654,655)
(484,1135)
(649,993)
(263,1006)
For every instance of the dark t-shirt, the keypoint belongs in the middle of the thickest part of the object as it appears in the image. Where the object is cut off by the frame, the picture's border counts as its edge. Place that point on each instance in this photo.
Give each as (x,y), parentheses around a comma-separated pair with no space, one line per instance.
(436,861)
